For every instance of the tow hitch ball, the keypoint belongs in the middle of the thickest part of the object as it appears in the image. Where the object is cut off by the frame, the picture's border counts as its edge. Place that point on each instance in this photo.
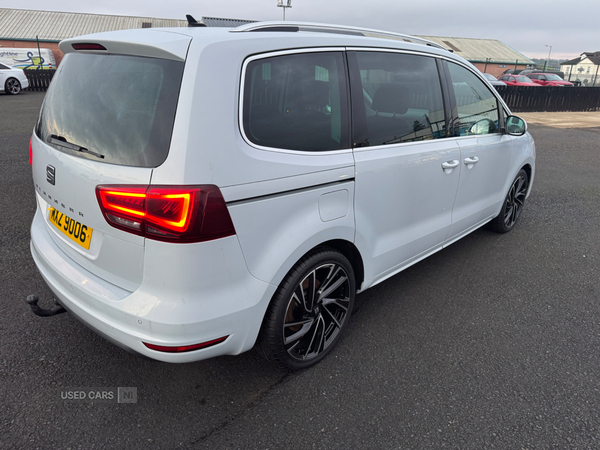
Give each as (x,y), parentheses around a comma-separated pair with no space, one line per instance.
(32,300)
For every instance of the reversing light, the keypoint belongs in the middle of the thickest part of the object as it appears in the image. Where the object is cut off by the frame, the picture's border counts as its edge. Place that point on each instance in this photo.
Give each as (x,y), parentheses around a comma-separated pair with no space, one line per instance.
(185,348)
(167,213)
(88,46)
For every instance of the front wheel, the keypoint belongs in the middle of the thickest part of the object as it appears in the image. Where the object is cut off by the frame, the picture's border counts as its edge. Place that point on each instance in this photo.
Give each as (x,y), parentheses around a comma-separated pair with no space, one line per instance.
(513,204)
(309,311)
(12,86)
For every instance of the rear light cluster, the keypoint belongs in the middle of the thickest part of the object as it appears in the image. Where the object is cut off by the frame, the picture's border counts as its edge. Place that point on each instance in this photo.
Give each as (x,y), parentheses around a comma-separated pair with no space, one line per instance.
(30,152)
(167,213)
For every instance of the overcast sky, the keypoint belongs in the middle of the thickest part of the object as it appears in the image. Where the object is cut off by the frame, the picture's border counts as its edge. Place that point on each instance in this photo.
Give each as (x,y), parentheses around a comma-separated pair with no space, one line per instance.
(570,27)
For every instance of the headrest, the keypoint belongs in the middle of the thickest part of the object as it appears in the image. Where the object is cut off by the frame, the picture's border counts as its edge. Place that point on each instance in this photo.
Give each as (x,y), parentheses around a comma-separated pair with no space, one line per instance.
(315,93)
(390,98)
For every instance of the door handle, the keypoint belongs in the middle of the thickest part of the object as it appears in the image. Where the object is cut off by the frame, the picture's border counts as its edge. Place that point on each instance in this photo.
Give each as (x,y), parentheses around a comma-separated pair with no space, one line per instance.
(471,160)
(448,166)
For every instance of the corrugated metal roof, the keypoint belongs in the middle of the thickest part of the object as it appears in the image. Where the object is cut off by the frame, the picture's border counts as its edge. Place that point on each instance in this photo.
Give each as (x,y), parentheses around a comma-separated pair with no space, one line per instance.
(230,23)
(56,26)
(478,50)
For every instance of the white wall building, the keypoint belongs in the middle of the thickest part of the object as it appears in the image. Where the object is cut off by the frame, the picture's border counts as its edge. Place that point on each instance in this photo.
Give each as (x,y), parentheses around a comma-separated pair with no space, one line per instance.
(584,68)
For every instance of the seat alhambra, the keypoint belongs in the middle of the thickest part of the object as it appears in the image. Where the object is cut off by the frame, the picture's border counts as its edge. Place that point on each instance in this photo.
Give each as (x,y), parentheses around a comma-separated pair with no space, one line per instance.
(204,190)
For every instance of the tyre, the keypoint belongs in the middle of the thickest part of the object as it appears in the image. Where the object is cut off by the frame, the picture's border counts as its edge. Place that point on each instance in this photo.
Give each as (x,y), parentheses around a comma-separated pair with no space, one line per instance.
(12,86)
(513,204)
(309,310)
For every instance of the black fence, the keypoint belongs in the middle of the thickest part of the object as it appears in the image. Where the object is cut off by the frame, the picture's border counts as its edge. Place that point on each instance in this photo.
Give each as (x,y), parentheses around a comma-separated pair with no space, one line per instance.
(550,99)
(518,98)
(39,80)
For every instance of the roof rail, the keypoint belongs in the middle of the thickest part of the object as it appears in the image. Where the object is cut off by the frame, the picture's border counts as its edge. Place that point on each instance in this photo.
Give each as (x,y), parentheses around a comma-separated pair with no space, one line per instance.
(331,28)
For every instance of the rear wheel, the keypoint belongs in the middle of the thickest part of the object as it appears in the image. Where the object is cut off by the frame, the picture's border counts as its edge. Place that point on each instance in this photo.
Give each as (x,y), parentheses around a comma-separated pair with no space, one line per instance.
(513,204)
(12,86)
(309,311)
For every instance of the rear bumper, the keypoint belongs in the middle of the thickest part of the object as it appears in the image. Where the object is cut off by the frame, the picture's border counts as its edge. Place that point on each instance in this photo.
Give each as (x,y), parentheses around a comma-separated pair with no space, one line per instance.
(191,293)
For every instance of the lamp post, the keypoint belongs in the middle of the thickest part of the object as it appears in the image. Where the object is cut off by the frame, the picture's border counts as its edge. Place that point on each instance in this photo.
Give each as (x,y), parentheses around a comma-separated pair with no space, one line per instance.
(281,5)
(548,60)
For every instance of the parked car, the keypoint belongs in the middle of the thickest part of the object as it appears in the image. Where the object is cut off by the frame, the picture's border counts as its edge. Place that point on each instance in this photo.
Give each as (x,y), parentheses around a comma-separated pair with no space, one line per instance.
(203,190)
(517,80)
(512,71)
(548,79)
(493,80)
(555,72)
(12,80)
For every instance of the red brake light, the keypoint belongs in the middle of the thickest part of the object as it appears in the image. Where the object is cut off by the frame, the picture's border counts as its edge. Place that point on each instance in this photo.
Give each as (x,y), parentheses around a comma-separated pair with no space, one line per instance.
(30,152)
(88,46)
(167,213)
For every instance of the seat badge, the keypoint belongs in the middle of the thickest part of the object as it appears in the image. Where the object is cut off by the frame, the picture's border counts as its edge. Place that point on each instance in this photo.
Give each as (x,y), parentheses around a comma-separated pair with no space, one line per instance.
(51,175)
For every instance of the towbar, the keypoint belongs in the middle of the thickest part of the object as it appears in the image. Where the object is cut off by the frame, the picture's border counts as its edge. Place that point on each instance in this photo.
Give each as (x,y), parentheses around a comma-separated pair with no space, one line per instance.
(32,301)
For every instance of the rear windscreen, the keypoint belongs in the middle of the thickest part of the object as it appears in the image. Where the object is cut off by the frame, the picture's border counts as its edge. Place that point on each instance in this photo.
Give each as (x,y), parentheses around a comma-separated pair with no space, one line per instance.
(112,108)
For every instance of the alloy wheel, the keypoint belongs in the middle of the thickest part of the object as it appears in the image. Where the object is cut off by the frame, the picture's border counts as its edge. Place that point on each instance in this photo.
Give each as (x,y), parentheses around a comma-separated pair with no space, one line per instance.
(316,311)
(13,86)
(515,201)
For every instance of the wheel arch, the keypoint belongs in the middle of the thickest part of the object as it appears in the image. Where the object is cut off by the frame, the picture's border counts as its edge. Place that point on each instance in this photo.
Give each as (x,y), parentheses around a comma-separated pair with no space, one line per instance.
(349,250)
(529,171)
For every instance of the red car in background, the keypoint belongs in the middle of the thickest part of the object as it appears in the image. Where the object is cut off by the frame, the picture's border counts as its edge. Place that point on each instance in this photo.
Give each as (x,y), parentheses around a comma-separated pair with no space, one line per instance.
(548,79)
(517,80)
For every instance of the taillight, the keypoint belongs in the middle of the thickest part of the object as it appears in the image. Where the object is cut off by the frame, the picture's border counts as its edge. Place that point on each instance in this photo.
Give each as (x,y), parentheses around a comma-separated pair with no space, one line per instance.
(30,152)
(167,213)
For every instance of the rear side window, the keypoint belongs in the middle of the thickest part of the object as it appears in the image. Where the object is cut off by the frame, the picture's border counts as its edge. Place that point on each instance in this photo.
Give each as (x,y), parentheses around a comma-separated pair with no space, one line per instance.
(119,109)
(297,102)
(402,98)
(477,106)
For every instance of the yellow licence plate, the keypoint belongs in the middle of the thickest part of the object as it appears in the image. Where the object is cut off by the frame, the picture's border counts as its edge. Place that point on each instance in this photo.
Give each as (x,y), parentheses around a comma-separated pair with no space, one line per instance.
(76,231)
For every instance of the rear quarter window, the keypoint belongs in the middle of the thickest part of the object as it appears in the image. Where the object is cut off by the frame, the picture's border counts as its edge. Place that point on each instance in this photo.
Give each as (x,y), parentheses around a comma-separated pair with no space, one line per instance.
(296,102)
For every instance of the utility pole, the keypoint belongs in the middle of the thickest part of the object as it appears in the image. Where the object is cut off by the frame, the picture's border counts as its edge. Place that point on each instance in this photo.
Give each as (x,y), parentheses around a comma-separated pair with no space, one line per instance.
(548,60)
(281,5)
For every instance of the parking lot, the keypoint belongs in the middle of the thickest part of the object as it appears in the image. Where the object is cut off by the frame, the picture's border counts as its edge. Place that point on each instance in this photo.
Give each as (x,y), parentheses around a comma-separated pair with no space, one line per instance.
(492,343)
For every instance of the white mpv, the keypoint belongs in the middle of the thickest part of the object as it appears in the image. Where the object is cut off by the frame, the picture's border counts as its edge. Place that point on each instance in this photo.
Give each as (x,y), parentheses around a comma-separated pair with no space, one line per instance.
(202,190)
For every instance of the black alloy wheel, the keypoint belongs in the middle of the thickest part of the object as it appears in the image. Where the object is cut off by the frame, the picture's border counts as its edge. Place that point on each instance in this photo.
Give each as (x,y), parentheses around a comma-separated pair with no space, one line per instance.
(12,86)
(309,311)
(513,204)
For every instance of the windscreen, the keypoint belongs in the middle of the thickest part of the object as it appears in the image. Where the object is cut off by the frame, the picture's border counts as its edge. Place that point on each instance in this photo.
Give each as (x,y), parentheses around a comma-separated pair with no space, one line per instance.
(524,79)
(112,108)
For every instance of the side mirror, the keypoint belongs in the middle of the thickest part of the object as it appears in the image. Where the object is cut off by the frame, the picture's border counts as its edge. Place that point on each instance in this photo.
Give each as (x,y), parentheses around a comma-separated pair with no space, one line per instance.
(483,126)
(515,126)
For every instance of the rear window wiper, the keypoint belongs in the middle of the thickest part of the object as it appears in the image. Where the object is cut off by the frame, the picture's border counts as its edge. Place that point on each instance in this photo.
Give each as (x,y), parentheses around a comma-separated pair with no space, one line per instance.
(62,142)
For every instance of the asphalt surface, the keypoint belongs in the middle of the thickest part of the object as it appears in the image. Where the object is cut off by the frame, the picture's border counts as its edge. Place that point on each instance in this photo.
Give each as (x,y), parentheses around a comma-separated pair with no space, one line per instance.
(491,343)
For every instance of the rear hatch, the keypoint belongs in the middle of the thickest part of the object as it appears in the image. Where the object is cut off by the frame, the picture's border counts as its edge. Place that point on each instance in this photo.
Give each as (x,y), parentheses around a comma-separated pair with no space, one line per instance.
(107,119)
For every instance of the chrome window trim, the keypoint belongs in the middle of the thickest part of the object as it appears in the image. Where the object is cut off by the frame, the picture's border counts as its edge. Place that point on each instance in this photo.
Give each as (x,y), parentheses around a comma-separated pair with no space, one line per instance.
(440,56)
(271,54)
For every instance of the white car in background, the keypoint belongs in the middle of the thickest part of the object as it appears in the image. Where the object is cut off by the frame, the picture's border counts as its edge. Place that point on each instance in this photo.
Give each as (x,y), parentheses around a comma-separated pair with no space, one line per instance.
(12,80)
